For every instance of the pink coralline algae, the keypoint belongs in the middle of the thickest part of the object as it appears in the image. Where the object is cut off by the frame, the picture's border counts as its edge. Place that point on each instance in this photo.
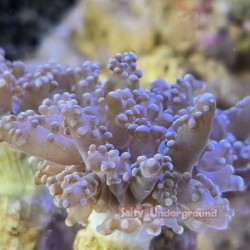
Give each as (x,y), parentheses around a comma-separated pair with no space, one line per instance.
(99,146)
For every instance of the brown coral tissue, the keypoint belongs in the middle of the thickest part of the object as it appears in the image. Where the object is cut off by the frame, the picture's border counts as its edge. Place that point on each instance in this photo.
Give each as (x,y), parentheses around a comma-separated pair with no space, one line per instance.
(102,146)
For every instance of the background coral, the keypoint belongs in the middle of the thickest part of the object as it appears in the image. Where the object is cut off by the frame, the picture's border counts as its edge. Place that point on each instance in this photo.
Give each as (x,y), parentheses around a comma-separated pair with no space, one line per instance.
(174,38)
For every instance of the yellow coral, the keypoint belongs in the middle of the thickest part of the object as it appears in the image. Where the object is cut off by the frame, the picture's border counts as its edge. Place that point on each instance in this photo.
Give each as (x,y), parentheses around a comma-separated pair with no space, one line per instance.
(15,232)
(104,34)
(16,175)
(88,239)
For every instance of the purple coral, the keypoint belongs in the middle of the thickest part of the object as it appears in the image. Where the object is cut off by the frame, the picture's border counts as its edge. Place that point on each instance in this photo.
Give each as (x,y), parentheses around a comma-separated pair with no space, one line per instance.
(100,146)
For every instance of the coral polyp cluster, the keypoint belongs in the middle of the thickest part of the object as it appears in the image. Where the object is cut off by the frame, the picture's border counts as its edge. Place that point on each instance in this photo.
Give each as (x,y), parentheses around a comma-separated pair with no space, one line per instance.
(102,146)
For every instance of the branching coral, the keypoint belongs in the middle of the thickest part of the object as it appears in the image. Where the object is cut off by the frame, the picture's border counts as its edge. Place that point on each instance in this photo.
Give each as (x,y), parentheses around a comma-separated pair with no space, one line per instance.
(102,146)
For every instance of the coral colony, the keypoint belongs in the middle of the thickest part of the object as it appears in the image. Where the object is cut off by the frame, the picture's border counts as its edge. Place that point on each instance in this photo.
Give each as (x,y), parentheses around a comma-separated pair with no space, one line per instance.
(102,146)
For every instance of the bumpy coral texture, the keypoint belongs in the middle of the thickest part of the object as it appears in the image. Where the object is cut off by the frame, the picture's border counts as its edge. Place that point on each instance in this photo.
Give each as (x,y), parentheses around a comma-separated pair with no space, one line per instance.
(99,146)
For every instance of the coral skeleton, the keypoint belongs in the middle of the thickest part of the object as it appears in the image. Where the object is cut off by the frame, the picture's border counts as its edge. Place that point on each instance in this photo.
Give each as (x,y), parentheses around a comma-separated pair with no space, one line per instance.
(100,146)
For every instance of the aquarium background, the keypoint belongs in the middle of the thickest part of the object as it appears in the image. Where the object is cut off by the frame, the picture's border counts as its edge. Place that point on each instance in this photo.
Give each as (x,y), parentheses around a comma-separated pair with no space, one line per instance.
(208,38)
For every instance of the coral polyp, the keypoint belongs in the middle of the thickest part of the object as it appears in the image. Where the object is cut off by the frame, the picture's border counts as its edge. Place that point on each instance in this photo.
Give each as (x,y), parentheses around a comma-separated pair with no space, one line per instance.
(102,146)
